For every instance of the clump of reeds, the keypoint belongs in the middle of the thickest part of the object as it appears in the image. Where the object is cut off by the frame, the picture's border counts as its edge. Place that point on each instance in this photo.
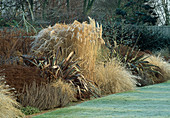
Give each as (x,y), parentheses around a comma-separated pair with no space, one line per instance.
(111,78)
(164,68)
(9,108)
(47,96)
(82,38)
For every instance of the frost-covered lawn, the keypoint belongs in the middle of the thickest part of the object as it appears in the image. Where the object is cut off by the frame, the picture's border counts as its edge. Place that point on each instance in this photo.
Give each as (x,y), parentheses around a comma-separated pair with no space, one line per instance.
(147,102)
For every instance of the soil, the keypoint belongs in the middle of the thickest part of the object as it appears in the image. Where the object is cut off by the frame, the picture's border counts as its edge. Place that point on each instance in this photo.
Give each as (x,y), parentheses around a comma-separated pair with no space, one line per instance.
(17,76)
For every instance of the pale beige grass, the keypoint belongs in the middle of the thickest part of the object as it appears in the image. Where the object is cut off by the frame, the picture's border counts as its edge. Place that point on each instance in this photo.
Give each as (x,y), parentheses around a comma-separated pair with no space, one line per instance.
(113,78)
(47,96)
(162,64)
(9,108)
(82,38)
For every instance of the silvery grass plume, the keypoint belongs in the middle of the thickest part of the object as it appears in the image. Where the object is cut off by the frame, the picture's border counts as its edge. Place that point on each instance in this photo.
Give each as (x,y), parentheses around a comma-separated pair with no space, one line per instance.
(49,39)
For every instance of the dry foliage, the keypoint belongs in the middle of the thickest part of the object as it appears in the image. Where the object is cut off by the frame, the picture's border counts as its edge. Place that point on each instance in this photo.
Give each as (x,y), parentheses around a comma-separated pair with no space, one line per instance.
(13,43)
(163,66)
(47,96)
(82,38)
(16,76)
(68,70)
(135,61)
(8,105)
(57,10)
(111,78)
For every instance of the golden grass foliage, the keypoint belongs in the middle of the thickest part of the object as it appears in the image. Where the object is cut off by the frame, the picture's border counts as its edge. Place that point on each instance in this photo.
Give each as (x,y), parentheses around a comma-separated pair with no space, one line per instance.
(83,38)
(113,78)
(163,65)
(47,96)
(8,105)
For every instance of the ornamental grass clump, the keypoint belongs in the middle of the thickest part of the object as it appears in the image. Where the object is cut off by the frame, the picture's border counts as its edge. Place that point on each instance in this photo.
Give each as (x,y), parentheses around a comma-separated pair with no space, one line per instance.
(111,78)
(164,68)
(82,38)
(68,70)
(47,96)
(135,61)
(9,108)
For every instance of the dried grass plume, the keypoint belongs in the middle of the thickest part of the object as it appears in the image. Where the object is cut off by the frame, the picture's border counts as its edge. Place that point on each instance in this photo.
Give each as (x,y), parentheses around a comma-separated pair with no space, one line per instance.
(82,38)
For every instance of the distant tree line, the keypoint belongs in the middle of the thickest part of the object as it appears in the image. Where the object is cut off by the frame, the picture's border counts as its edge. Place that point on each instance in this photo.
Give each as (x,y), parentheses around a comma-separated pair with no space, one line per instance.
(150,12)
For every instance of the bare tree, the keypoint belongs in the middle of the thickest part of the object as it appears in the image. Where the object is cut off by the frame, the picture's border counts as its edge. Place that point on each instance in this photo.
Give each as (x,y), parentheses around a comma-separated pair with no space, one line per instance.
(163,9)
(46,11)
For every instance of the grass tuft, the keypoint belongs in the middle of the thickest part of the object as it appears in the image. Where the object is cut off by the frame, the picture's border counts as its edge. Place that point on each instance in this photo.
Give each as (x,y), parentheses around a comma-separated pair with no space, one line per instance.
(47,96)
(113,78)
(163,65)
(9,108)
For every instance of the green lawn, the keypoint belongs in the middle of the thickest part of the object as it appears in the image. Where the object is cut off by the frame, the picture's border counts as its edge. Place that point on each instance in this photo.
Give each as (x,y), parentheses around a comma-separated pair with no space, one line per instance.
(147,102)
